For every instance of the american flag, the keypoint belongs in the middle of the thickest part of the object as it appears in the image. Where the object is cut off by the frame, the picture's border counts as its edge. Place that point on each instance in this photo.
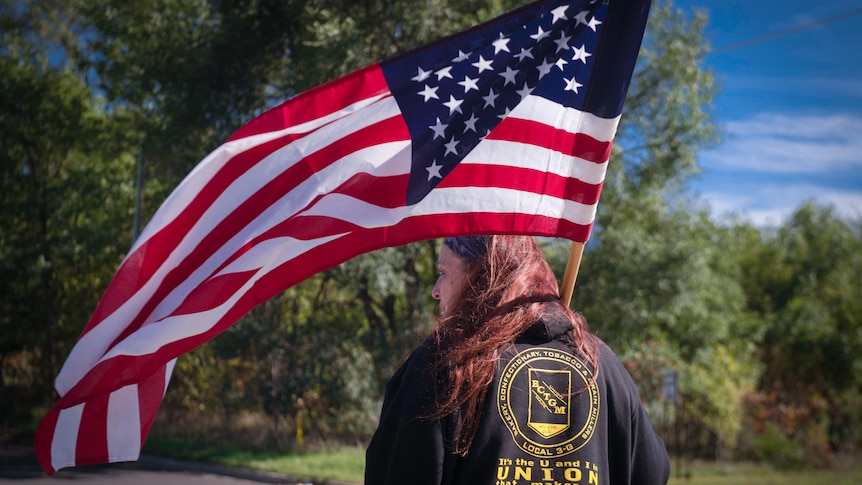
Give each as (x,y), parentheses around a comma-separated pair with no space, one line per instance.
(504,128)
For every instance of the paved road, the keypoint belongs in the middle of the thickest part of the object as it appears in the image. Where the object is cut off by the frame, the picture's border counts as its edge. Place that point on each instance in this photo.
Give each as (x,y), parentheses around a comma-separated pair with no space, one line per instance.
(18,465)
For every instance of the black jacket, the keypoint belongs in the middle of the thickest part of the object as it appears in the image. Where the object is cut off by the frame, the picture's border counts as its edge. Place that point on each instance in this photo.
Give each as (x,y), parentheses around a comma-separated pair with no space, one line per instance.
(539,424)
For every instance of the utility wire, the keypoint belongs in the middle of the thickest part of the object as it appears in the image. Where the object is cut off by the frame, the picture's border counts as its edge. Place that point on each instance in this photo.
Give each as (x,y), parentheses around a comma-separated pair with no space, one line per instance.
(786,31)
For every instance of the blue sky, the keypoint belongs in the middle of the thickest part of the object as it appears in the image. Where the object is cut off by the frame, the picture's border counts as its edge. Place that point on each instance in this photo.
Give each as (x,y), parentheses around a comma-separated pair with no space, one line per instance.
(790,107)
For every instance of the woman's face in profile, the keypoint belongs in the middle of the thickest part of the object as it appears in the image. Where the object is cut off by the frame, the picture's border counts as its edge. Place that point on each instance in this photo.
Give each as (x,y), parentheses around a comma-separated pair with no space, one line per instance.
(451,279)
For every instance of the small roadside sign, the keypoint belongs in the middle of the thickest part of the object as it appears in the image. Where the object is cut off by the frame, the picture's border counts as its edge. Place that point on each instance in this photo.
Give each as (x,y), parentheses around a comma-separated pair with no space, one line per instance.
(668,385)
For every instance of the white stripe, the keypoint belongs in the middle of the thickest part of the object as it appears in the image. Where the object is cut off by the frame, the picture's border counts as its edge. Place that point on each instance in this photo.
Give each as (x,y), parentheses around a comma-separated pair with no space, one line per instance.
(537,108)
(124,424)
(503,201)
(169,370)
(65,439)
(454,201)
(522,155)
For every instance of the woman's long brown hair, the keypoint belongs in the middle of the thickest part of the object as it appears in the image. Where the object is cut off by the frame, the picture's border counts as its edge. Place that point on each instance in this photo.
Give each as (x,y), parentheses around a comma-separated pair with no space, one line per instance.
(508,290)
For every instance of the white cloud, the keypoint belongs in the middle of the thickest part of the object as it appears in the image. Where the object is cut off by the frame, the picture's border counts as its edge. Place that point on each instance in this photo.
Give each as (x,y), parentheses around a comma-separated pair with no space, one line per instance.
(765,203)
(772,163)
(783,143)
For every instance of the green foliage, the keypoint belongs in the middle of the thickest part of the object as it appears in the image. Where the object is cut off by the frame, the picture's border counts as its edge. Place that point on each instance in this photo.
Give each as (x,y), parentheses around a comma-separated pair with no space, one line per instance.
(316,357)
(802,280)
(716,400)
(355,34)
(778,449)
(65,201)
(762,325)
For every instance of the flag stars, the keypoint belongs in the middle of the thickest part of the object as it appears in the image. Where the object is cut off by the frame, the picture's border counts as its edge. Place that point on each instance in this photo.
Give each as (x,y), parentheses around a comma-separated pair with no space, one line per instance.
(581,54)
(572,84)
(462,56)
(421,76)
(544,68)
(439,129)
(581,17)
(563,42)
(454,104)
(559,13)
(445,72)
(434,171)
(491,98)
(541,34)
(524,54)
(455,120)
(470,124)
(429,93)
(509,75)
(451,147)
(483,65)
(469,84)
(501,44)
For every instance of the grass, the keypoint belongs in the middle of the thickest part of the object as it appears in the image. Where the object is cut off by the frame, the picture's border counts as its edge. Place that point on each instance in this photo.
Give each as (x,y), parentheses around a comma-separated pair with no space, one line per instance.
(846,471)
(343,464)
(348,464)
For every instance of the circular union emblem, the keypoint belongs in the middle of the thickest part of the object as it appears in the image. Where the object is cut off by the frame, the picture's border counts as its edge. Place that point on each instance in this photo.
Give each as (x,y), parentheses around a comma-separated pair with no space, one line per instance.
(547,401)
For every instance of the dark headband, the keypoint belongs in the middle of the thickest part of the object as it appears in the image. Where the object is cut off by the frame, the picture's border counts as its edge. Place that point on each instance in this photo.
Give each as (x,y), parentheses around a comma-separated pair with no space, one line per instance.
(471,248)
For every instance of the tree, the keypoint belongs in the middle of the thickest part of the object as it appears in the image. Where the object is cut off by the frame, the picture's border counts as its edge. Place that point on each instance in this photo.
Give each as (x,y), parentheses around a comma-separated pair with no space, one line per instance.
(164,82)
(65,192)
(802,281)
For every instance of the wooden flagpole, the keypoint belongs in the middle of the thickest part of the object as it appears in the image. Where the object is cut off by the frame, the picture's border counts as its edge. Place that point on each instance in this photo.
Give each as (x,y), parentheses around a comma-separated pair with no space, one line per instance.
(571,274)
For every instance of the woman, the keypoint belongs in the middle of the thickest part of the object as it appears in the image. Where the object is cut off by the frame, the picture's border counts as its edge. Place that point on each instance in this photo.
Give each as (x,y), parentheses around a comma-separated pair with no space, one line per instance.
(510,387)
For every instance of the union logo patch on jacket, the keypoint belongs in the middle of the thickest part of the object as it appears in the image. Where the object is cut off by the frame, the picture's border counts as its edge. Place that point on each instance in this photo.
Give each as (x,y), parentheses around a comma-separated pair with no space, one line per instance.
(549,402)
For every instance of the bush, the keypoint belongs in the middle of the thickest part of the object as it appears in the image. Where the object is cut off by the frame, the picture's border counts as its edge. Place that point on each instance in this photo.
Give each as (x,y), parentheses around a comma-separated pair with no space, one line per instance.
(774,447)
(789,435)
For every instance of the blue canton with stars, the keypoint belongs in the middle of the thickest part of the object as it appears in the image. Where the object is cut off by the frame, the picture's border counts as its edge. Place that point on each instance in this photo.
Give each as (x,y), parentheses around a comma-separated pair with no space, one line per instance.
(454,92)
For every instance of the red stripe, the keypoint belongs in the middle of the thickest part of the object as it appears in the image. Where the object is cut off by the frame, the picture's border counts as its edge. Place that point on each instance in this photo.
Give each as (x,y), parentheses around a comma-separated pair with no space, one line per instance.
(318,102)
(389,192)
(151,390)
(406,231)
(523,179)
(92,446)
(534,133)
(213,292)
(44,437)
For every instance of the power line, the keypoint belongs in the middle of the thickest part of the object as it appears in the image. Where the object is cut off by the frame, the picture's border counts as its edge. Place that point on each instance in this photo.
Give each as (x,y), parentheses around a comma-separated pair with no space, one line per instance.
(787,31)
